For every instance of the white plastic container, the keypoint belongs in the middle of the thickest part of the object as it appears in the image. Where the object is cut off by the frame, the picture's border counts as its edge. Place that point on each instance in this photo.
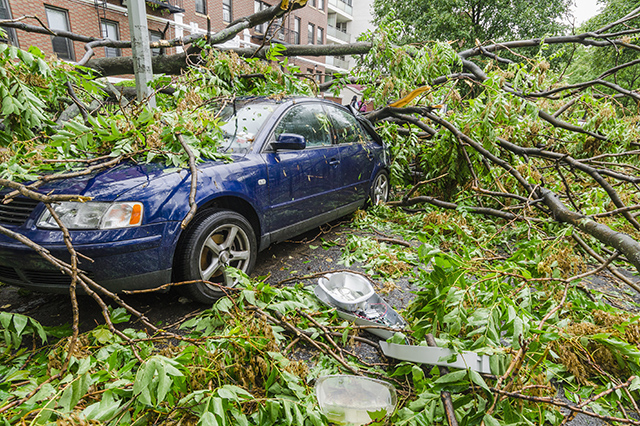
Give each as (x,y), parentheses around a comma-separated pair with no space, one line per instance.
(348,291)
(349,400)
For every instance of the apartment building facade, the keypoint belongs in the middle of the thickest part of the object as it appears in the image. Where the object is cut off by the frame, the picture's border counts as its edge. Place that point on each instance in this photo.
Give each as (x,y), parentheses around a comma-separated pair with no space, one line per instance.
(168,19)
(346,20)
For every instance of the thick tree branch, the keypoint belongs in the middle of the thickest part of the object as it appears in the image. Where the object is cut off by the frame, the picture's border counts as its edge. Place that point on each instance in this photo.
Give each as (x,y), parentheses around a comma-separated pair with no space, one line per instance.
(618,240)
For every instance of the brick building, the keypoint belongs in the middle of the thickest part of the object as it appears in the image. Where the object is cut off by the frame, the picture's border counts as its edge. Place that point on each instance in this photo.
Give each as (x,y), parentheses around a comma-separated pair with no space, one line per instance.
(167,19)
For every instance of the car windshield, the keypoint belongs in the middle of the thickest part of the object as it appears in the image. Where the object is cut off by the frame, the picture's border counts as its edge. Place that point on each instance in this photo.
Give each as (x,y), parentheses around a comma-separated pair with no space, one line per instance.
(242,125)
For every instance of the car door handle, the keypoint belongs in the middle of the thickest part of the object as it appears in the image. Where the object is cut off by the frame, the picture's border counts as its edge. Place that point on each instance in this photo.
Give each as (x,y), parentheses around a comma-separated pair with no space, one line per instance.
(334,162)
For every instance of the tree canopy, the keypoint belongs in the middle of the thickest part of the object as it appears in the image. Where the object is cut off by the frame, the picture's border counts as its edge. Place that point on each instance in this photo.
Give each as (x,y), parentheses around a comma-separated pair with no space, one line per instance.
(588,64)
(469,21)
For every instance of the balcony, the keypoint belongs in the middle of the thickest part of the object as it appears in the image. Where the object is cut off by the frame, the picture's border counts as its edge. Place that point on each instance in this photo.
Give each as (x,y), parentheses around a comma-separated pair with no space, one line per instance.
(173,6)
(340,63)
(343,6)
(334,32)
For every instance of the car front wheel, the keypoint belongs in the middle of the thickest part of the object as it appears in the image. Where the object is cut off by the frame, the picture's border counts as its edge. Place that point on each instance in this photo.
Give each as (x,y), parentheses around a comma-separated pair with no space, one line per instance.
(380,189)
(213,242)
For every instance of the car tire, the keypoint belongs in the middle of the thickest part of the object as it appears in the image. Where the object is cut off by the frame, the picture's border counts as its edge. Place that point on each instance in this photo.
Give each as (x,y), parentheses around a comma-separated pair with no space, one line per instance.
(214,240)
(379,192)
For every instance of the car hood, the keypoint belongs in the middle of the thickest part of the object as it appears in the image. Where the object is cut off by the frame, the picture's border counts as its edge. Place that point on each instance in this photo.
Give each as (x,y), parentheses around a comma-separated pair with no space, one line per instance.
(106,184)
(109,184)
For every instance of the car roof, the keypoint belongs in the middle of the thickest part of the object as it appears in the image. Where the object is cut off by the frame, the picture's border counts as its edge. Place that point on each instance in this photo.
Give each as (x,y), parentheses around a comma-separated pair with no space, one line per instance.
(280,100)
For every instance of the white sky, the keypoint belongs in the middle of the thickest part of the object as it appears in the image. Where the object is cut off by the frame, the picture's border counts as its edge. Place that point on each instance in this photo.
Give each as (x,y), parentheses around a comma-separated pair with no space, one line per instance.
(585,9)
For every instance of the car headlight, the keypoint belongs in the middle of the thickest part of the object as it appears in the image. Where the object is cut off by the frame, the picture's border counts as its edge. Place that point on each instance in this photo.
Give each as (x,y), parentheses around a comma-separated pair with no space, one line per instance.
(93,215)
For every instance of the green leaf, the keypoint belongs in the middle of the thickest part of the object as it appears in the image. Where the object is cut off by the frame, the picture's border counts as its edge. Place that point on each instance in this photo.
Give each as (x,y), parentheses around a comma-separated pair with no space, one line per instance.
(164,382)
(223,305)
(315,418)
(297,413)
(456,376)
(377,415)
(105,409)
(234,392)
(102,335)
(208,419)
(288,416)
(119,315)
(239,417)
(74,391)
(478,380)
(518,326)
(489,420)
(7,106)
(20,323)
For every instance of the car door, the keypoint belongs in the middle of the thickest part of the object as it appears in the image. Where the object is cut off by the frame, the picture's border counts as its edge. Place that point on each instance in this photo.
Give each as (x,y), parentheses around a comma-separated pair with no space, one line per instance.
(302,183)
(356,155)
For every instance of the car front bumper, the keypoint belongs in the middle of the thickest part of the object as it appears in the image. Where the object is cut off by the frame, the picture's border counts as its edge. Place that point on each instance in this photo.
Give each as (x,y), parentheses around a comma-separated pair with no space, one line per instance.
(125,259)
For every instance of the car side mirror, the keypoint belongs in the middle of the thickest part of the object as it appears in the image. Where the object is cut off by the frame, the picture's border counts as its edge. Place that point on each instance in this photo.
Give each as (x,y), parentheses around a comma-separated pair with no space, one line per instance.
(289,141)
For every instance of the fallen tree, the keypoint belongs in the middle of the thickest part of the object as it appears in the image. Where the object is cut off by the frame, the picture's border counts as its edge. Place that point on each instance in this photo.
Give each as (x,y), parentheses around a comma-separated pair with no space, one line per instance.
(483,131)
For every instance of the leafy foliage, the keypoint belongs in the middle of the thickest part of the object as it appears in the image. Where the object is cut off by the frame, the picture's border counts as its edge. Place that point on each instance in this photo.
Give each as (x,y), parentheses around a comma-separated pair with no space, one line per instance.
(244,370)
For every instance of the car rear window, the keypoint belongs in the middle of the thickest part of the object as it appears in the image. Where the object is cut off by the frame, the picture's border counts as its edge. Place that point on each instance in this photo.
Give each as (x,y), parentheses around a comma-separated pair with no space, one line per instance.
(242,126)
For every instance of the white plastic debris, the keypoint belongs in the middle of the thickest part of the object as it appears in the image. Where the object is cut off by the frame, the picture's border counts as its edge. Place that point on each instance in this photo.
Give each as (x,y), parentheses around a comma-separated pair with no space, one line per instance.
(437,356)
(346,290)
(371,310)
(354,400)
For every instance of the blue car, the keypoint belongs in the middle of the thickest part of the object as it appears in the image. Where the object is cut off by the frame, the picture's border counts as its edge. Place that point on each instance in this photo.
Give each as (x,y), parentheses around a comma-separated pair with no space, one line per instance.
(295,164)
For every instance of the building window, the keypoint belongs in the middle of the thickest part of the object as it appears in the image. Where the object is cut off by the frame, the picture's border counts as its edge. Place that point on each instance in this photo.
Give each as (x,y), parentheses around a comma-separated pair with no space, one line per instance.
(296,31)
(201,6)
(226,11)
(321,5)
(278,29)
(5,13)
(311,29)
(110,31)
(312,3)
(155,36)
(257,7)
(319,76)
(58,19)
(320,35)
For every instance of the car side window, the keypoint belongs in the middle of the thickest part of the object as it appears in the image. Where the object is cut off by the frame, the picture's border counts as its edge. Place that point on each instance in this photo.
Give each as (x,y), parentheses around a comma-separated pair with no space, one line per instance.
(347,128)
(308,120)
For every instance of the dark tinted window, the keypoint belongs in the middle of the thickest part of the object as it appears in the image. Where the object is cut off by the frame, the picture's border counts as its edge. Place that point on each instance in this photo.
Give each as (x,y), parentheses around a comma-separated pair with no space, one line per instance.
(346,126)
(242,126)
(226,10)
(309,121)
